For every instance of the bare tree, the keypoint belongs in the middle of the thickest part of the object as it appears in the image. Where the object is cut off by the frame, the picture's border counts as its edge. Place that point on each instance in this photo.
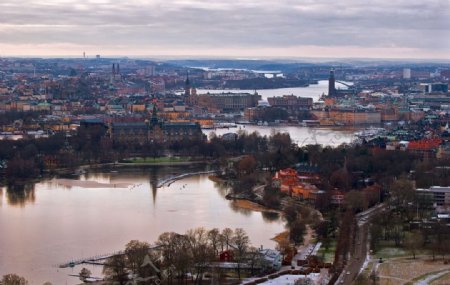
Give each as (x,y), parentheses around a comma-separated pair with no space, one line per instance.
(254,259)
(240,243)
(214,239)
(13,279)
(227,234)
(136,253)
(115,269)
(414,241)
(201,251)
(403,191)
(84,274)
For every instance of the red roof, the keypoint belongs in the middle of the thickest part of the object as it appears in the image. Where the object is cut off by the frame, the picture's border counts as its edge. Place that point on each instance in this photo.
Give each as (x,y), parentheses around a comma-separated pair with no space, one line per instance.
(426,144)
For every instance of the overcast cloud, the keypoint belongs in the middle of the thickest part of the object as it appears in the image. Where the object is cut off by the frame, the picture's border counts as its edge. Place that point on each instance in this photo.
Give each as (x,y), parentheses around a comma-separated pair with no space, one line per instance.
(298,28)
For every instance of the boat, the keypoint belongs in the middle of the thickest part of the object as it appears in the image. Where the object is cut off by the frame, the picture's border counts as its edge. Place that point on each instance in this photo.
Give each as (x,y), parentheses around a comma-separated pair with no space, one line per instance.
(370,133)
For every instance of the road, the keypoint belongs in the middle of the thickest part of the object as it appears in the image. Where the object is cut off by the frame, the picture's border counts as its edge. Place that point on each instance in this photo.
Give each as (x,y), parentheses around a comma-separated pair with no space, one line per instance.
(358,256)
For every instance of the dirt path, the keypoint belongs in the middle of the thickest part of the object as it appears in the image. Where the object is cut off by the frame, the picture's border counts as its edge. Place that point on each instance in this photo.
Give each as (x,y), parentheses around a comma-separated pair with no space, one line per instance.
(429,278)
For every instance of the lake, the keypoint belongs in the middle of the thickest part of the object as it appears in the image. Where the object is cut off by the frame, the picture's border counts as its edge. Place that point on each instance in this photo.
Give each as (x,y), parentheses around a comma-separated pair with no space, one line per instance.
(58,220)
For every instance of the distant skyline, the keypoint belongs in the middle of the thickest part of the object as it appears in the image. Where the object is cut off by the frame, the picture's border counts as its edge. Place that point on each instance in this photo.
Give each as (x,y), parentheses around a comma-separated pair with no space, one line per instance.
(246,28)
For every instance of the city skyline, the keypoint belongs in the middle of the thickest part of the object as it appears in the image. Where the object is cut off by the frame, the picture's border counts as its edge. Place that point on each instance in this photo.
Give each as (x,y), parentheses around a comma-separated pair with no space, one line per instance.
(322,29)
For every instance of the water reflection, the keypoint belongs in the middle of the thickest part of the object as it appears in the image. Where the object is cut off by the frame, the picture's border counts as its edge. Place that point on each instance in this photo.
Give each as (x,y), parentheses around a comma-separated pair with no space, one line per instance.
(20,194)
(240,210)
(154,182)
(270,216)
(83,221)
(222,188)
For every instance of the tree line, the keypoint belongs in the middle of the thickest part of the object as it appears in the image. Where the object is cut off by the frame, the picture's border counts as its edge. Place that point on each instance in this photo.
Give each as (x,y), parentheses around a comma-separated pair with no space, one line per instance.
(181,258)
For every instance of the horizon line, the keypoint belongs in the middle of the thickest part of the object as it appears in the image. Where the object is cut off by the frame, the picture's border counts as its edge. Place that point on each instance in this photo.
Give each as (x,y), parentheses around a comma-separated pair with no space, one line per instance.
(227,57)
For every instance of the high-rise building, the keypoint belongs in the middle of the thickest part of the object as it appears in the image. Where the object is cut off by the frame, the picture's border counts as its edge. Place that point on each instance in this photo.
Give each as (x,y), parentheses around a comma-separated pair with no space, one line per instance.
(406,73)
(331,84)
(150,70)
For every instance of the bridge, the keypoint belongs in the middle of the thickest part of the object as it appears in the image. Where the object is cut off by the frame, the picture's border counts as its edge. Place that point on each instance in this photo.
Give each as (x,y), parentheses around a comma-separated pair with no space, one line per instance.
(97,259)
(346,84)
(172,179)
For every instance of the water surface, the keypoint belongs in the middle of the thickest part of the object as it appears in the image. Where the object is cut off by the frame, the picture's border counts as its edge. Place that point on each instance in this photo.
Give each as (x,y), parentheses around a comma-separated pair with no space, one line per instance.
(52,222)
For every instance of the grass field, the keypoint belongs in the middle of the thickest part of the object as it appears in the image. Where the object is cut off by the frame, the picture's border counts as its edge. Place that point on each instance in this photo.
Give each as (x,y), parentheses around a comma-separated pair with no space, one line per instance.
(389,250)
(405,270)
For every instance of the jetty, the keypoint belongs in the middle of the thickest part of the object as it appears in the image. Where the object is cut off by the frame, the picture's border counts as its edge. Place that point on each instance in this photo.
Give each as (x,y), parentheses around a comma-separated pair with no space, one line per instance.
(172,179)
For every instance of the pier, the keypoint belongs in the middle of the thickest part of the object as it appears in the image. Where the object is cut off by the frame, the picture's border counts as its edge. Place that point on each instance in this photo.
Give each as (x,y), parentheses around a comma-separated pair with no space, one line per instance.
(172,179)
(97,259)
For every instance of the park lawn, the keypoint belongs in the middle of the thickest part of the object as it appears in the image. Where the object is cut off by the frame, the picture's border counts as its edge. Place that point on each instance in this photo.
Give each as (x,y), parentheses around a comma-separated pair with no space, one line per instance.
(423,276)
(389,250)
(406,270)
(157,159)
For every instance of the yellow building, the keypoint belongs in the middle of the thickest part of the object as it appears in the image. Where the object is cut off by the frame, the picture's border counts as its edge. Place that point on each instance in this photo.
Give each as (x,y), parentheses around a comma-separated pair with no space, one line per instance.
(348,117)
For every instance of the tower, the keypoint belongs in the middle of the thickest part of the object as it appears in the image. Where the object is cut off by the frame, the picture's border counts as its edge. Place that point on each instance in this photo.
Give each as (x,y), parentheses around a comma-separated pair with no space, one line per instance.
(154,119)
(113,74)
(331,84)
(187,86)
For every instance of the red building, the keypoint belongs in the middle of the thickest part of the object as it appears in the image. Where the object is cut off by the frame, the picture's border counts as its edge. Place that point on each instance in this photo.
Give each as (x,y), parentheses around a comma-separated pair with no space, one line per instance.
(226,256)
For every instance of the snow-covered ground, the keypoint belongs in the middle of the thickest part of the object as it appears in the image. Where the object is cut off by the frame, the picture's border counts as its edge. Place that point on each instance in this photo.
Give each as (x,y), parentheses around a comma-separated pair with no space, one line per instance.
(429,278)
(290,279)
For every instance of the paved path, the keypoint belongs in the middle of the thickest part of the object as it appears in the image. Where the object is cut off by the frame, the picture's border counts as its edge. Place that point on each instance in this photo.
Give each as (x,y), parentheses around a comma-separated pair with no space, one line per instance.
(429,278)
(358,257)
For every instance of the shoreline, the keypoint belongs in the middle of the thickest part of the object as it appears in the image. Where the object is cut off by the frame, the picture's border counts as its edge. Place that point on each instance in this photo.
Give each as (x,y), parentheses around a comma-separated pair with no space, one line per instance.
(81,169)
(251,205)
(320,127)
(169,163)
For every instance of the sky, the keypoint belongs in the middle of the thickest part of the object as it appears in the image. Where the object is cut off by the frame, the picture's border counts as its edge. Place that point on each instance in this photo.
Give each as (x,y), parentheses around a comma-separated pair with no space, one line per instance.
(415,29)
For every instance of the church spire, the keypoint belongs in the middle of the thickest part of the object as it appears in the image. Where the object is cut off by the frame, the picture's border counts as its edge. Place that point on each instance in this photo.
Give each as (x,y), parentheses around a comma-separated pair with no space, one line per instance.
(154,119)
(187,85)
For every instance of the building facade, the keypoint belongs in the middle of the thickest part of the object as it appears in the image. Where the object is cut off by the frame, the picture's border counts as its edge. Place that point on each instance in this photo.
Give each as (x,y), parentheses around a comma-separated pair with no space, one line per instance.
(291,102)
(227,102)
(438,195)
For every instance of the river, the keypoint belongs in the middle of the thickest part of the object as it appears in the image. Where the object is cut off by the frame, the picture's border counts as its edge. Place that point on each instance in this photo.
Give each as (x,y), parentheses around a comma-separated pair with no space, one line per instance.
(58,220)
(313,91)
(300,135)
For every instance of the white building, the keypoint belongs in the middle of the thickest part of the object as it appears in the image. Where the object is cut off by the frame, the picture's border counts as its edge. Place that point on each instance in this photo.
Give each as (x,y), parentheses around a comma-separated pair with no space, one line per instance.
(406,73)
(272,257)
(440,196)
